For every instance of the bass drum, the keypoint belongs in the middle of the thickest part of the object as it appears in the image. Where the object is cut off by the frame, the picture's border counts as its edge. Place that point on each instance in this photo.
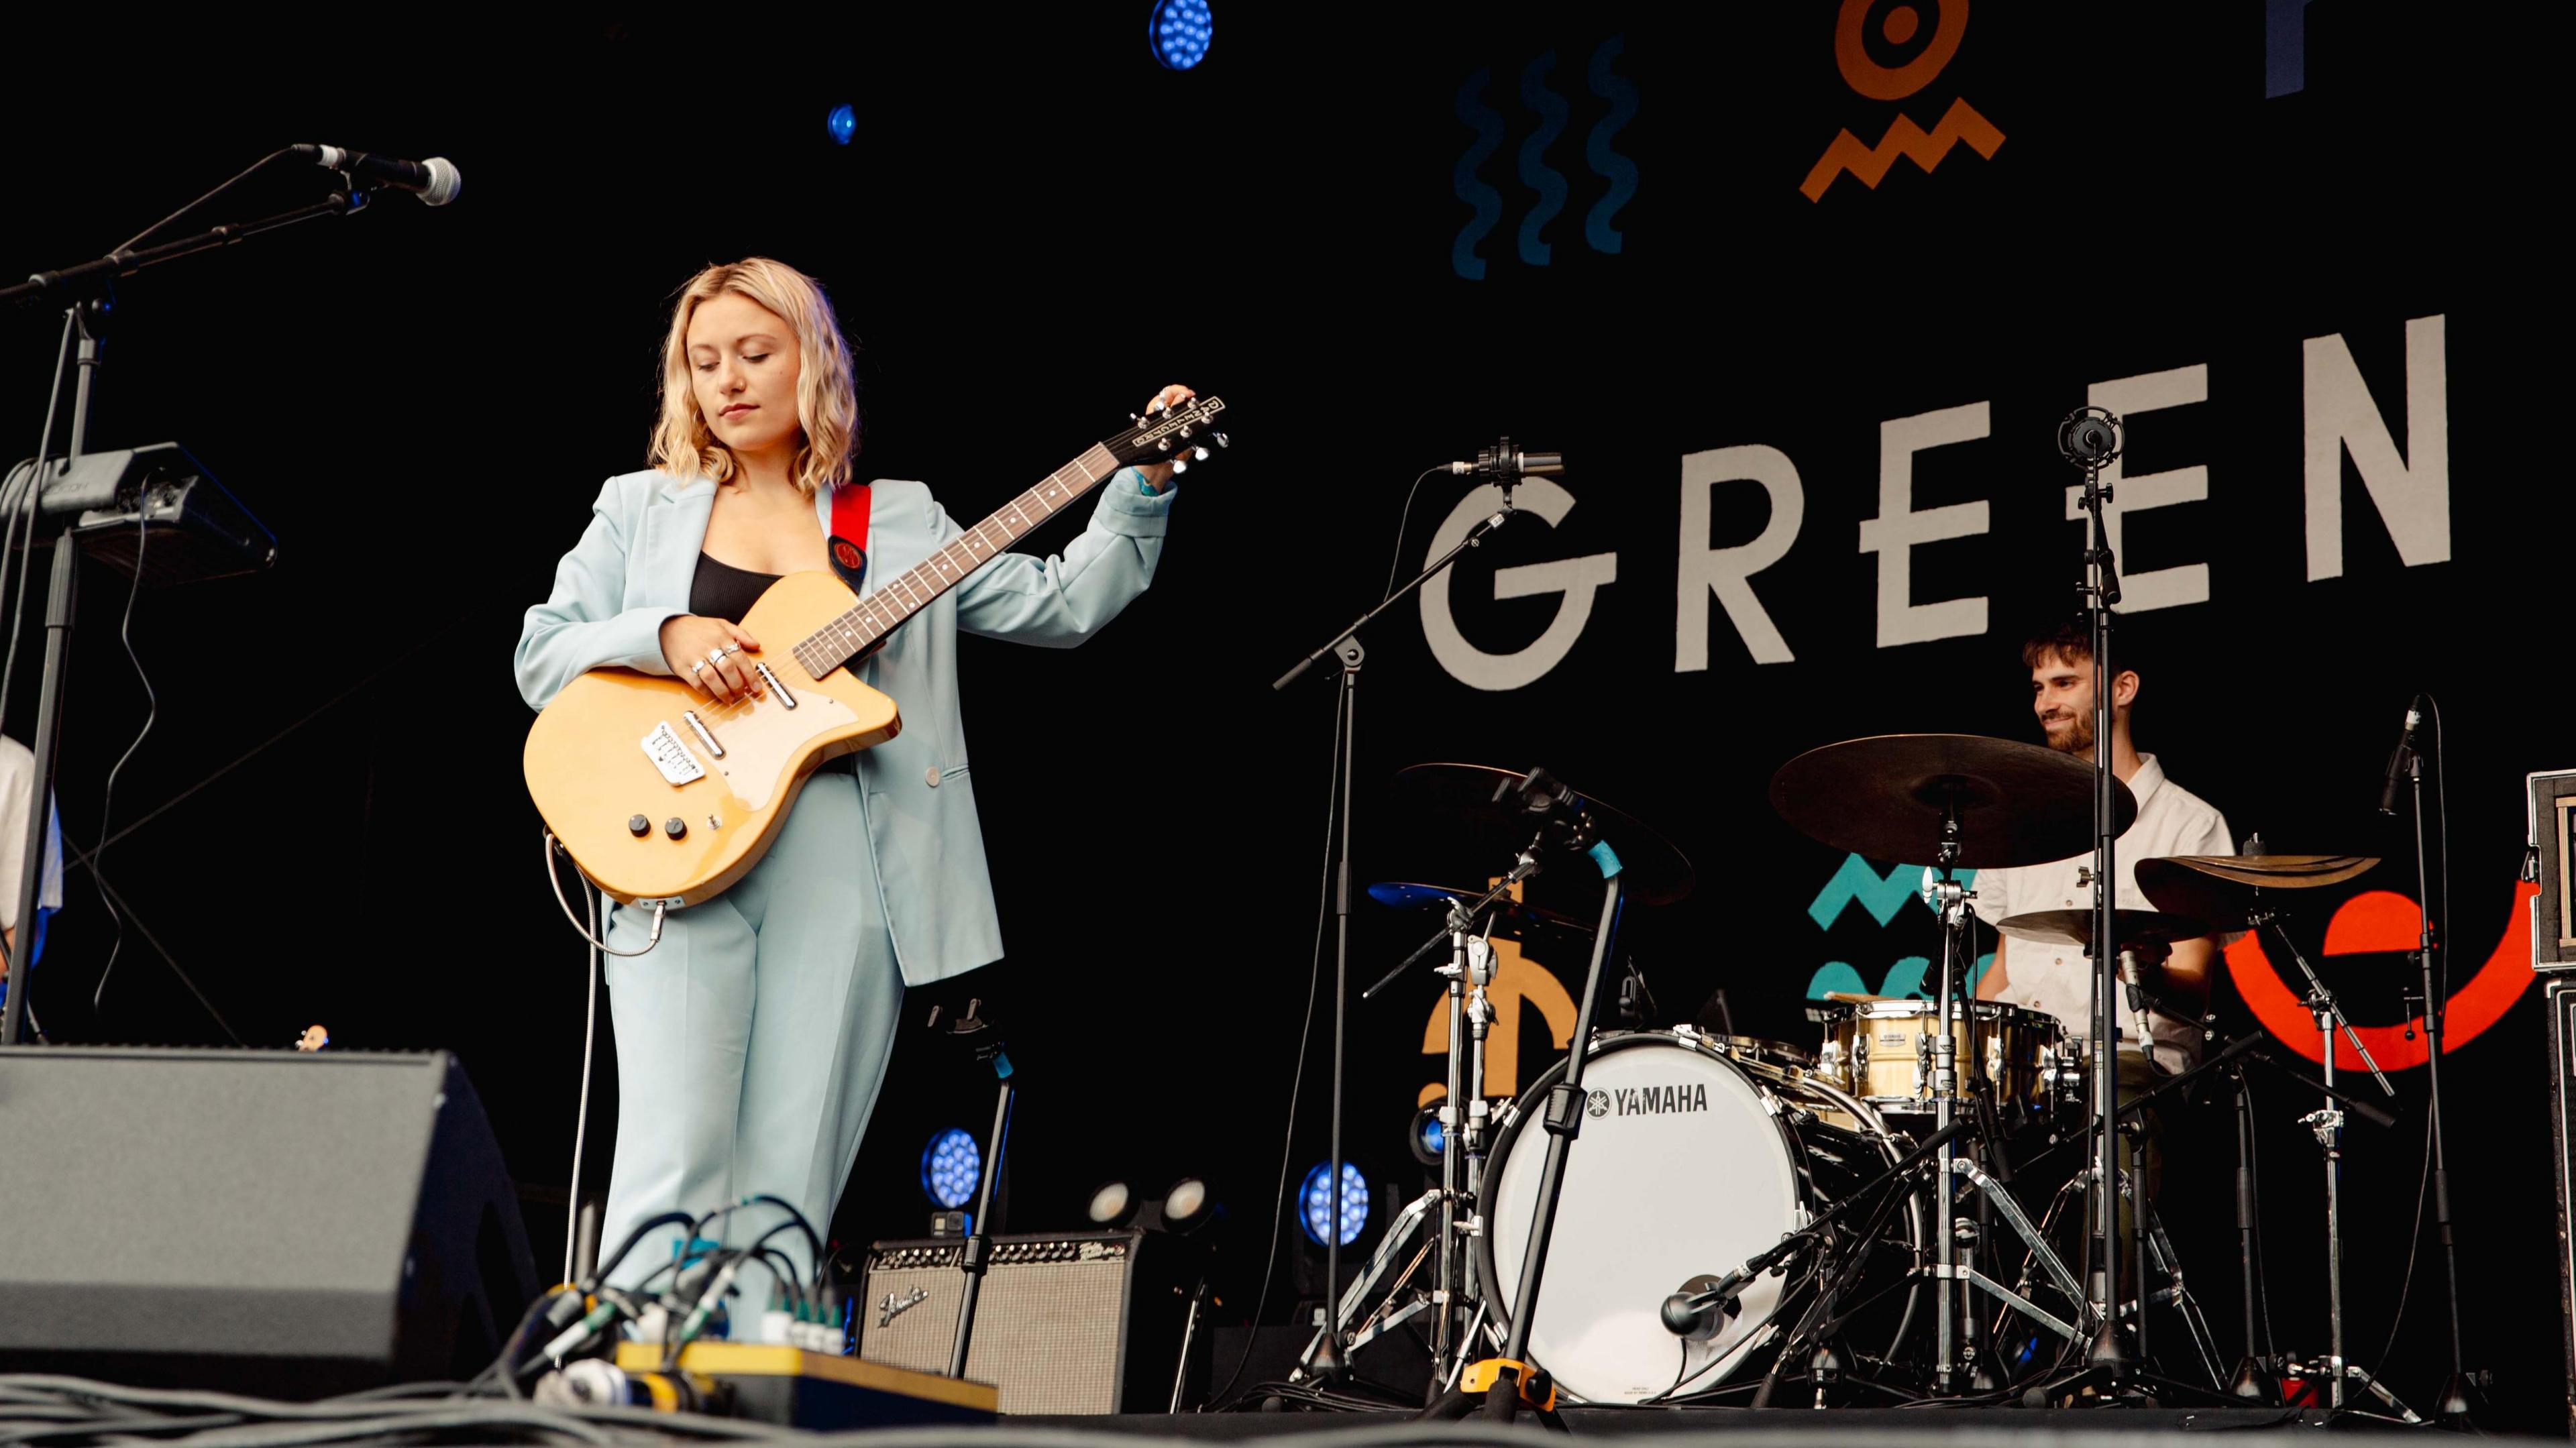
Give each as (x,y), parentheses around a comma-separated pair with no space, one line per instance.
(1689,1162)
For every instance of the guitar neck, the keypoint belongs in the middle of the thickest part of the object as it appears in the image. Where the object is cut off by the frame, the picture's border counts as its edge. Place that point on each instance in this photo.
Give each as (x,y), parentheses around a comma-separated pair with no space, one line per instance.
(899,598)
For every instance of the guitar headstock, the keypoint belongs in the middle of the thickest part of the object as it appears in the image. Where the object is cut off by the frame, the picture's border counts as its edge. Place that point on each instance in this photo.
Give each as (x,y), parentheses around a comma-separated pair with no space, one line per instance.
(1177,435)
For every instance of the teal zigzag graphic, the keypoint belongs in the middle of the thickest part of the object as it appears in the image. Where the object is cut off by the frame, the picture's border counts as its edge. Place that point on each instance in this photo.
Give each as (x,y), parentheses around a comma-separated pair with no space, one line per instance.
(1881,896)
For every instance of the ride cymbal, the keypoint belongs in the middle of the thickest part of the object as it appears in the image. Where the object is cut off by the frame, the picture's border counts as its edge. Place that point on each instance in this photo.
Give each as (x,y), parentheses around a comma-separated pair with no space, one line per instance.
(2220,889)
(1886,797)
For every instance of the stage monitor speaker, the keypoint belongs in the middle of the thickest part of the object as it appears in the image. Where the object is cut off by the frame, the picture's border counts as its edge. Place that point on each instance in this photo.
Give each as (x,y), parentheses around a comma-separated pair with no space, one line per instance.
(2553,864)
(1078,1322)
(272,1222)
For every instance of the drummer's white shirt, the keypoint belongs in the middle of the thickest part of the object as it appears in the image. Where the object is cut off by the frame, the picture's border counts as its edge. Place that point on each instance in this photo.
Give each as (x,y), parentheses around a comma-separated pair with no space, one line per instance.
(2057,978)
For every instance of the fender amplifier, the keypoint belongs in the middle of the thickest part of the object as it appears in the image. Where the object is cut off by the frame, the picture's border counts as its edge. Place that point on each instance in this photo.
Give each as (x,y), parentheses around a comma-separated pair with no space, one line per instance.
(1077,1322)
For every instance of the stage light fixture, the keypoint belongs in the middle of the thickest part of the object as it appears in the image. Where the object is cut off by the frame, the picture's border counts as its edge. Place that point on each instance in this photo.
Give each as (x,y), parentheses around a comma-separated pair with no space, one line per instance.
(1315,1203)
(1428,1135)
(1113,1204)
(952,1165)
(843,123)
(1179,31)
(1187,1206)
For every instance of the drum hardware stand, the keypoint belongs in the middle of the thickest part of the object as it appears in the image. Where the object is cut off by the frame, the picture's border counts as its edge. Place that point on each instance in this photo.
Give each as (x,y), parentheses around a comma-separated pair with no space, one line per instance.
(2460,1400)
(1330,1364)
(2327,1123)
(1510,1381)
(1469,971)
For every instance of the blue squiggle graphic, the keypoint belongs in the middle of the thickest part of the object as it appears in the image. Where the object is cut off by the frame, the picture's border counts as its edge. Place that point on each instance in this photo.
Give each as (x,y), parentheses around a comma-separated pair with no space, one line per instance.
(1488,126)
(1618,170)
(1543,179)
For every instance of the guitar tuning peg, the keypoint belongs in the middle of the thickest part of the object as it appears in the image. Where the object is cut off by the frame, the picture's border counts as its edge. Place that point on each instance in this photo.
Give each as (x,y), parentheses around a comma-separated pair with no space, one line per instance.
(1200,453)
(1164,444)
(1132,417)
(1185,429)
(1155,406)
(1180,465)
(1221,440)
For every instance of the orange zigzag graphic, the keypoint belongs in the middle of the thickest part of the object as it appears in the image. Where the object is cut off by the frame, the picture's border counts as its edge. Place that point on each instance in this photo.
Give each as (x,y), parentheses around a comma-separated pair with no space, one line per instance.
(1904,138)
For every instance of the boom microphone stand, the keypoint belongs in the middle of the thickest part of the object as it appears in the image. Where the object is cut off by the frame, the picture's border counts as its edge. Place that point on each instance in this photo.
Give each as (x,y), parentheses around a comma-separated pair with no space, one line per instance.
(2090,439)
(2459,1403)
(1328,1365)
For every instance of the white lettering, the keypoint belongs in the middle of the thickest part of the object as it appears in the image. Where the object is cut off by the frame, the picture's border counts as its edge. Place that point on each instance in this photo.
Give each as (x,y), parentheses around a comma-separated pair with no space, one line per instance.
(2412,491)
(1898,529)
(1726,571)
(1575,578)
(2129,396)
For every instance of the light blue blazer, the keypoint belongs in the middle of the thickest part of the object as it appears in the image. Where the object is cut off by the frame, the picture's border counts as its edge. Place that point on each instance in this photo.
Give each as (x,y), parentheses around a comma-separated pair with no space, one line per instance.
(633,568)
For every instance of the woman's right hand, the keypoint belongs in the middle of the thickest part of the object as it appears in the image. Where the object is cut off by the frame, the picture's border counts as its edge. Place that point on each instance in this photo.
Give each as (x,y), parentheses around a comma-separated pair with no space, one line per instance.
(707,654)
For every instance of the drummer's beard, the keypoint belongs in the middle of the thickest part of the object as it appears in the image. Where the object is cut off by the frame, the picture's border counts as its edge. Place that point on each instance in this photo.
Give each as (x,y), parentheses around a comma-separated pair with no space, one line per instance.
(2076,738)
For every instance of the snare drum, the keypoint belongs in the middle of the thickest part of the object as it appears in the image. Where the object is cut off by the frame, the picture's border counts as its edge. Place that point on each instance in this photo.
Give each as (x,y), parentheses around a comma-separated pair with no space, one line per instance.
(1881,1052)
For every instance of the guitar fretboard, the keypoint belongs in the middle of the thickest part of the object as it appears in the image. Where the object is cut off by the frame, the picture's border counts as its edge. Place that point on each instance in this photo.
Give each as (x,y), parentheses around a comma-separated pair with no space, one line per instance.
(899,598)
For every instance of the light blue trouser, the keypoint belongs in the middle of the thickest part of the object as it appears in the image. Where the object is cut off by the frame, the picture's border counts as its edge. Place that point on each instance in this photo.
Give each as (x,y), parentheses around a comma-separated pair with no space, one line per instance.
(752,1040)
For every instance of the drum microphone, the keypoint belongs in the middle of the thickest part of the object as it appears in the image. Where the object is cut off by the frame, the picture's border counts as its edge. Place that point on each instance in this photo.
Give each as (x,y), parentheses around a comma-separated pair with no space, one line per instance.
(1697,1311)
(1502,460)
(2400,758)
(436,180)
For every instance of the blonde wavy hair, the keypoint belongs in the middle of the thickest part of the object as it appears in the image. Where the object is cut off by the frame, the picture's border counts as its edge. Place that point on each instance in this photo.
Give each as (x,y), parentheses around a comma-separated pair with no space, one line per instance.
(827,404)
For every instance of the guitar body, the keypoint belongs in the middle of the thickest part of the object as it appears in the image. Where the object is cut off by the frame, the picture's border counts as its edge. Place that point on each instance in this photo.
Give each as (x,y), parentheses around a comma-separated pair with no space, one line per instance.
(590,771)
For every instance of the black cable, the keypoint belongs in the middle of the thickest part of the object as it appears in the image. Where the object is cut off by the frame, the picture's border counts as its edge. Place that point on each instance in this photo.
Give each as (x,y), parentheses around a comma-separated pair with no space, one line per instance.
(1296,1083)
(107,798)
(29,508)
(2262,1266)
(813,1239)
(1402,521)
(666,1219)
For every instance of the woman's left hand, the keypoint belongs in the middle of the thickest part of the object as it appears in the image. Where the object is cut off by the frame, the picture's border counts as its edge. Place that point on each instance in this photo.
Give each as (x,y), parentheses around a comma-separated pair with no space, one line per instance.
(1158,476)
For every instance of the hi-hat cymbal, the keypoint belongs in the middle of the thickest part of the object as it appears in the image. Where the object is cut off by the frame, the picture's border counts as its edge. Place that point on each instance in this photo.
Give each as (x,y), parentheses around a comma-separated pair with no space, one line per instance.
(1653,871)
(1512,917)
(2220,889)
(2075,927)
(1886,797)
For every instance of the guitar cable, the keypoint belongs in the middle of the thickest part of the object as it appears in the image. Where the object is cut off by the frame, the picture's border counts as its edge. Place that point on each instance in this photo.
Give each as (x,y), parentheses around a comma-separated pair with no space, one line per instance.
(554,877)
(581,1112)
(107,797)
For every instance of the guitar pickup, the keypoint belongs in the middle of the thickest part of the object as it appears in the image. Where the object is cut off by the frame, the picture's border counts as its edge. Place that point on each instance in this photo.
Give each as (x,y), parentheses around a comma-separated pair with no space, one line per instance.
(698,726)
(775,687)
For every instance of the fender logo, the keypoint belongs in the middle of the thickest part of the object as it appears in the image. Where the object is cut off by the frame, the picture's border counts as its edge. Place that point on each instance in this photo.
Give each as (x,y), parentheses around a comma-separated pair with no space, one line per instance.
(896,1306)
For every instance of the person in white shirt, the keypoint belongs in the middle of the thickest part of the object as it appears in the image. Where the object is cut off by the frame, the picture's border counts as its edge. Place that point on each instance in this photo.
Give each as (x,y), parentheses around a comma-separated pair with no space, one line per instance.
(17,770)
(2057,978)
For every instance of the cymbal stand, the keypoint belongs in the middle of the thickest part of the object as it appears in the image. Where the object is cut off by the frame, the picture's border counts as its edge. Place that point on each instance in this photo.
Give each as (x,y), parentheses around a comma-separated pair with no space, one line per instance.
(1953,1278)
(2327,1123)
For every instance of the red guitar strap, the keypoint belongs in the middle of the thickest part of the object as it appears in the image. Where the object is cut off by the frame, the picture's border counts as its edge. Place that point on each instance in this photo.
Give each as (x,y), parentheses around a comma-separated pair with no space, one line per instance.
(848,545)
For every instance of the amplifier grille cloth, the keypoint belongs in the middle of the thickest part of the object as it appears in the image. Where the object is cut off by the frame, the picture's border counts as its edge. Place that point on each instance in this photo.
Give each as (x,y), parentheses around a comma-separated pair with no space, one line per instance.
(1048,1323)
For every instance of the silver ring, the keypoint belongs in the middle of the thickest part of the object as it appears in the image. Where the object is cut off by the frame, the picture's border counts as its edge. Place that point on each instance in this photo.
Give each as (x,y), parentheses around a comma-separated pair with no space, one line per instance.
(715,656)
(694,668)
(729,649)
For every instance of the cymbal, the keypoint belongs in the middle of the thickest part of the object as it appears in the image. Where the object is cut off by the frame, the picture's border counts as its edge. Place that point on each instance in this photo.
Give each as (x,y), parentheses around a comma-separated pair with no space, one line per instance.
(2075,927)
(2220,889)
(1512,916)
(1885,797)
(1653,871)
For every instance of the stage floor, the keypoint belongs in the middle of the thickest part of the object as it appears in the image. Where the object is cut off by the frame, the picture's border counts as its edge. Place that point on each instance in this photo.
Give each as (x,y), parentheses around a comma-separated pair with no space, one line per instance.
(2094,1426)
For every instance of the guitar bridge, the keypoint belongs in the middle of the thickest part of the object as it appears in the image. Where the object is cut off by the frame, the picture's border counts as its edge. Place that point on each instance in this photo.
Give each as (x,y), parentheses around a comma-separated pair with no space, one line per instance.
(670,756)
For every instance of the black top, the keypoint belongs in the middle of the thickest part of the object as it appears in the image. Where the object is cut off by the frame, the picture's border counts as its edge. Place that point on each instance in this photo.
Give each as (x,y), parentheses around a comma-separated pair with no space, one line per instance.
(723,591)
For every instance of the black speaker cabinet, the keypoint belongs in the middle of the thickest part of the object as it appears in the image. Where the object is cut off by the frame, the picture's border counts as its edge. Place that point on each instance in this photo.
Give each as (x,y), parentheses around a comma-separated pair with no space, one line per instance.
(1079,1322)
(2553,865)
(266,1221)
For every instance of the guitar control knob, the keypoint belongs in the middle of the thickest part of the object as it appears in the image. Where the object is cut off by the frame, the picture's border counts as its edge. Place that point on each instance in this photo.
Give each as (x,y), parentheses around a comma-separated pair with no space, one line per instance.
(675,827)
(638,826)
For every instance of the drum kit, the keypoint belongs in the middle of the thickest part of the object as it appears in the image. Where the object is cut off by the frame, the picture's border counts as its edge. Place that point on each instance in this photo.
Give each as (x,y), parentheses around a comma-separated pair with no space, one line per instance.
(1745,1216)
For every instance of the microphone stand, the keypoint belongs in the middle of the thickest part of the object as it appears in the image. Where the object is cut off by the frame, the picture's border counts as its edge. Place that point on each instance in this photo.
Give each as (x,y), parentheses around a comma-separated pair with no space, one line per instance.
(2459,1401)
(88,290)
(1329,1365)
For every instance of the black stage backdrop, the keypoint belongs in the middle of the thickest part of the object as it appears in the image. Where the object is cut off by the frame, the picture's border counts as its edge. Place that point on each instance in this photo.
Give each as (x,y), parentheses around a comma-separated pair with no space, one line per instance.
(1802,319)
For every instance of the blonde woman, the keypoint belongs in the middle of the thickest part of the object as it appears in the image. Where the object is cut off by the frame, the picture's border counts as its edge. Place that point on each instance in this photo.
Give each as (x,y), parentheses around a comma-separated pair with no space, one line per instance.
(752,1040)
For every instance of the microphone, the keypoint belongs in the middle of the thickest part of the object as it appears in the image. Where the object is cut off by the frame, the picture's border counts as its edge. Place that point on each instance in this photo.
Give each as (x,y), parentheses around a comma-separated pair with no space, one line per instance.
(2129,973)
(1502,460)
(1696,1312)
(2401,756)
(436,179)
(2089,437)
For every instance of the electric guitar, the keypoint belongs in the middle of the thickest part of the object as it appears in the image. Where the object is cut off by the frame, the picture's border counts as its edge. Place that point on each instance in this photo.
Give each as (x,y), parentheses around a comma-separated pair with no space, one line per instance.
(665,797)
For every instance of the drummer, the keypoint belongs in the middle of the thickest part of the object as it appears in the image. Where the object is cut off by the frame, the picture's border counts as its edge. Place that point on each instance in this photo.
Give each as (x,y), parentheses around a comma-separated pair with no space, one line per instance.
(2056,978)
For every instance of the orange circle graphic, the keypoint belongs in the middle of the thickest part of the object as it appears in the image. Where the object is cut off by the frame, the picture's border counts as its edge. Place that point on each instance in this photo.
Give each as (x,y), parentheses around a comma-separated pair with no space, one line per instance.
(1880,83)
(2382,920)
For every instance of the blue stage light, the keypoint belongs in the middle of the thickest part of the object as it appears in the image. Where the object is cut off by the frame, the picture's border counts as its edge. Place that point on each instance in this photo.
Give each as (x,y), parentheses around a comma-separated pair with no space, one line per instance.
(951,1167)
(843,123)
(1315,1203)
(1179,31)
(1434,1138)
